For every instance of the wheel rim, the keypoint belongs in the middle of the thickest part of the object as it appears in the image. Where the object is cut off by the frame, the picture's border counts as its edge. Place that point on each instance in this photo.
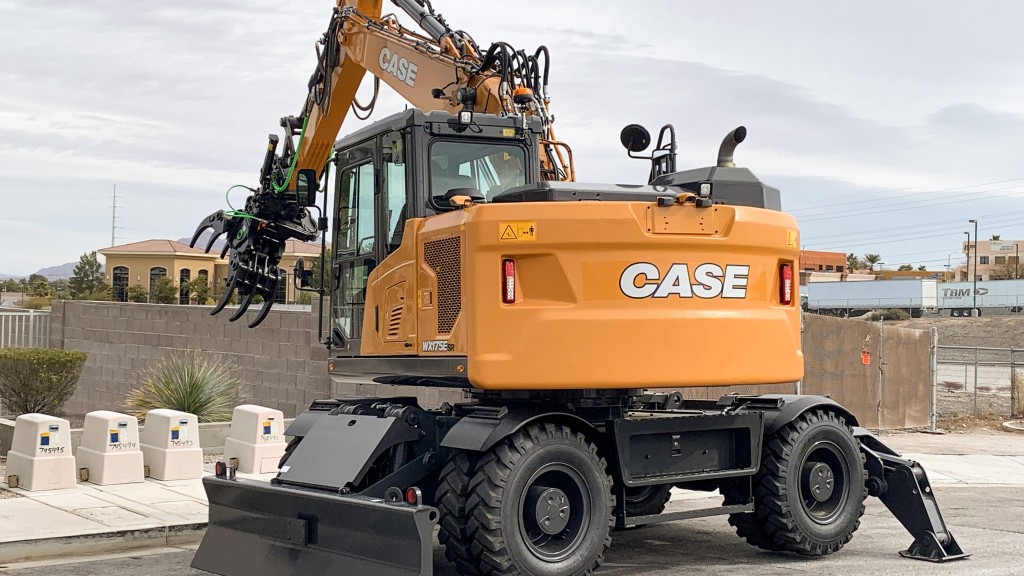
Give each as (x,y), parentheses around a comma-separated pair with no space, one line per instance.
(554,512)
(824,482)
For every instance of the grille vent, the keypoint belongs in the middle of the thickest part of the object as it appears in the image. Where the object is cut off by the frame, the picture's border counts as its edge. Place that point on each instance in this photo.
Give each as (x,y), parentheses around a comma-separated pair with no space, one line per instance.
(395,322)
(444,256)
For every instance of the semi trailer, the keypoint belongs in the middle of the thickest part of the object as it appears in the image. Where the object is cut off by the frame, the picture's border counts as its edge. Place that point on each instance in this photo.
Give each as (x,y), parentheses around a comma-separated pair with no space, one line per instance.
(858,298)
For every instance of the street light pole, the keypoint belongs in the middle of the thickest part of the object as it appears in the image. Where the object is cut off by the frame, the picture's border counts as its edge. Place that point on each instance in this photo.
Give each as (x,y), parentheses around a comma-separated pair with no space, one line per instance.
(976,247)
(968,275)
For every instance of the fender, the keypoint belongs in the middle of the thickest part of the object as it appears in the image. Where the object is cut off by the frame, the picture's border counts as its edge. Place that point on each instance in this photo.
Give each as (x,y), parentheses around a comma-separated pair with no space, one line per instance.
(480,432)
(791,406)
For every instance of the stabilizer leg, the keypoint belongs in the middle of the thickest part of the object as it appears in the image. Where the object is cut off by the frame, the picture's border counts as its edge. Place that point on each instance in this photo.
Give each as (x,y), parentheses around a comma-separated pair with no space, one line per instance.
(903,487)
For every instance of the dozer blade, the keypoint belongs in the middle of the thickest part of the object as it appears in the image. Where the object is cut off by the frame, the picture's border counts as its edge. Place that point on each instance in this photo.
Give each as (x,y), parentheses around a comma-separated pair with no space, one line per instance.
(258,529)
(903,487)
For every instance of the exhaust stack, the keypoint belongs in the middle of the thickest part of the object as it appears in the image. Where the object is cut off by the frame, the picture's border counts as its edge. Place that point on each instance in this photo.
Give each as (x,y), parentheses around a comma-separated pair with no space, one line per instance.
(728,147)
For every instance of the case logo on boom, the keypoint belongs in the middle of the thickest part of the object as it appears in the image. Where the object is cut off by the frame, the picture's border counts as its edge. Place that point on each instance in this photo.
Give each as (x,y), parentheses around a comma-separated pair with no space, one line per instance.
(644,280)
(397,66)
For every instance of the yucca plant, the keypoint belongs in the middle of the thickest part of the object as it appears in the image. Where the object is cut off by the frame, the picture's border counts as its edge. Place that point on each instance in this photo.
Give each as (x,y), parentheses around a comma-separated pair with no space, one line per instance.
(189,382)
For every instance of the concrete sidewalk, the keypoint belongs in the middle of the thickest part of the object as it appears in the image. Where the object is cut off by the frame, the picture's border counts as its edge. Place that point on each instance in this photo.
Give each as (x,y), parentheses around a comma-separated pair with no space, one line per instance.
(93,519)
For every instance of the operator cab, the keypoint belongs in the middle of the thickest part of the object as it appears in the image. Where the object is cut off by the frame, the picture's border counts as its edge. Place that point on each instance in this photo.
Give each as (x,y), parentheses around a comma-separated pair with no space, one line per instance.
(412,165)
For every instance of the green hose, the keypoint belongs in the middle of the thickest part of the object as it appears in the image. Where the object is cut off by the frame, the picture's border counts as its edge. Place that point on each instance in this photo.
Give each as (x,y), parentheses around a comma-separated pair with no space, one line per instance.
(295,159)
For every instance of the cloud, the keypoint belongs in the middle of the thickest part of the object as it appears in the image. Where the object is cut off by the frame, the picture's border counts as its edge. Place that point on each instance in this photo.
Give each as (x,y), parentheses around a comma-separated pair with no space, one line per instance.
(173,102)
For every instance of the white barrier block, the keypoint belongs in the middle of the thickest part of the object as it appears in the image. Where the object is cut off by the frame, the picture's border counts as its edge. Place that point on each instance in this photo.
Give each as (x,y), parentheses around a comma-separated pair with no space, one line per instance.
(110,448)
(40,454)
(256,439)
(170,445)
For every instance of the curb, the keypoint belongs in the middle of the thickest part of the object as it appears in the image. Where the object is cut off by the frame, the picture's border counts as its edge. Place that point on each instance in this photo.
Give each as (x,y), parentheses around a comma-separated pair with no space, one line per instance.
(102,543)
(1012,426)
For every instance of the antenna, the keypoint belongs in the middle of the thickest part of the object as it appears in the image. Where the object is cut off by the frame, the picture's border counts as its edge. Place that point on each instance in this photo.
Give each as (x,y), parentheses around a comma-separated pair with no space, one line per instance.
(113,219)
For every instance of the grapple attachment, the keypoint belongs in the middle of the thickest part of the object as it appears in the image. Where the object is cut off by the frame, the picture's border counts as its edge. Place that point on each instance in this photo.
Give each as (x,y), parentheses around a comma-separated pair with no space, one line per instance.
(254,243)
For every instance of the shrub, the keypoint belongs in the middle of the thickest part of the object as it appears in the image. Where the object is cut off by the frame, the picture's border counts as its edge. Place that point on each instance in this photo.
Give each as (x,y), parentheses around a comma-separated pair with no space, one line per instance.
(36,303)
(892,314)
(188,382)
(38,379)
(952,386)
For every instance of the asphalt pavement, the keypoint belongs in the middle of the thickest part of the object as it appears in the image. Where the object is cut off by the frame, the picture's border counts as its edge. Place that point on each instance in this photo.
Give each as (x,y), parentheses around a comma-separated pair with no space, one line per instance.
(988,521)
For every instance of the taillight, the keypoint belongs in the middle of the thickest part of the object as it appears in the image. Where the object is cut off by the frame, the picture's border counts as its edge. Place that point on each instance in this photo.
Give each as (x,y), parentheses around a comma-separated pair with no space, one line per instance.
(413,496)
(508,281)
(786,284)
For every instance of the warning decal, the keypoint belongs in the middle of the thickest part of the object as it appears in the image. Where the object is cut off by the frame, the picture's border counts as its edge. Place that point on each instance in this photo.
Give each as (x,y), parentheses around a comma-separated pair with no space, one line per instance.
(51,437)
(517,231)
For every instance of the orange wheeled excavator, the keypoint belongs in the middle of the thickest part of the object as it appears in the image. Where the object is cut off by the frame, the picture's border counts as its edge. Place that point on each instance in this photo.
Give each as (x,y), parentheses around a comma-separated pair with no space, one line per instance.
(466,260)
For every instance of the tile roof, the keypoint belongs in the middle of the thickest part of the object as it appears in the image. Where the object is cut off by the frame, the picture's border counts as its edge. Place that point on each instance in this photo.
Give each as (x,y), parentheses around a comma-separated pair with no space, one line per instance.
(150,246)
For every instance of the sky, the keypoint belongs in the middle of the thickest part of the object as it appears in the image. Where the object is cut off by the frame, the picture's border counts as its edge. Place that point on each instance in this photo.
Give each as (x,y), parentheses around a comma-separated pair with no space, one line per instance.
(886,125)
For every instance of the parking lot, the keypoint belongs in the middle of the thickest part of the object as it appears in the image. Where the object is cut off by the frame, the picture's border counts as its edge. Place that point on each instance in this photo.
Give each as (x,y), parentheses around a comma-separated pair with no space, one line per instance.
(987,521)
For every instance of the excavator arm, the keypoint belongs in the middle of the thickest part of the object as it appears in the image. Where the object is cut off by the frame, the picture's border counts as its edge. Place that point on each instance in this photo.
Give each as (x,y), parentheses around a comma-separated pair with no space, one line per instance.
(436,69)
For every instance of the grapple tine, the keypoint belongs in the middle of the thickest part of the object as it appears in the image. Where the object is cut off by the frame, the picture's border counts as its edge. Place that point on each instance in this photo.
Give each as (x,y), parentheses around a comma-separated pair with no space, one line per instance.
(232,280)
(213,222)
(268,302)
(264,311)
(244,305)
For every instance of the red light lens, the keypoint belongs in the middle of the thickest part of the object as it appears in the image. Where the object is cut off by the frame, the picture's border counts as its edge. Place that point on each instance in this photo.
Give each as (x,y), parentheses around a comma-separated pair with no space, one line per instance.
(786,284)
(508,281)
(412,496)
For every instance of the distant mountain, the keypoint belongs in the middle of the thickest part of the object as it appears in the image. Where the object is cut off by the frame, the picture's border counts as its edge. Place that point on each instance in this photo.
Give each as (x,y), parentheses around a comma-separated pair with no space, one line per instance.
(58,272)
(203,239)
(9,276)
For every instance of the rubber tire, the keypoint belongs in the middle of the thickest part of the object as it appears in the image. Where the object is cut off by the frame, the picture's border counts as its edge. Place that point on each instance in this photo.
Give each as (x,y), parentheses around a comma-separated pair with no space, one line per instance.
(500,479)
(288,449)
(647,500)
(450,499)
(779,521)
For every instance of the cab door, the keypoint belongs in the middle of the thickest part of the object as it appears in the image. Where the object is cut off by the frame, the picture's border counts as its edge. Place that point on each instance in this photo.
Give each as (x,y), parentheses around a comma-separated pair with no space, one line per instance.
(355,246)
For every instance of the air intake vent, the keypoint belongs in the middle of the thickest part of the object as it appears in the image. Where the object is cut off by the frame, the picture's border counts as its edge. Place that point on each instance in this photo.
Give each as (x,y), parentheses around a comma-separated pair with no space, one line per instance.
(395,322)
(445,258)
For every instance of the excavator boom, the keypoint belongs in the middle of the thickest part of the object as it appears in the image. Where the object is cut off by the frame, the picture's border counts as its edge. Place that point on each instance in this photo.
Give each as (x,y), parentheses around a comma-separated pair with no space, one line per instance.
(441,70)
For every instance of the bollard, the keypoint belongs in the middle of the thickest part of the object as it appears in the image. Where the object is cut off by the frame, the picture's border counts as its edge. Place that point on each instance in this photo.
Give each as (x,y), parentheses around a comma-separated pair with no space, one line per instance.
(256,439)
(109,453)
(170,445)
(40,455)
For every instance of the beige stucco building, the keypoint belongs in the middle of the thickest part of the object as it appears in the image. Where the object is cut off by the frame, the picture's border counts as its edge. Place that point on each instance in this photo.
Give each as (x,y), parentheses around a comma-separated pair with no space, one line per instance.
(142,263)
(995,260)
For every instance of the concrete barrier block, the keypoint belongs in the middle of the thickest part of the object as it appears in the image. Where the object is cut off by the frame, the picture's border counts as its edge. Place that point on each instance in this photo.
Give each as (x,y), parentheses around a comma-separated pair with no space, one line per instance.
(40,455)
(171,446)
(256,439)
(110,449)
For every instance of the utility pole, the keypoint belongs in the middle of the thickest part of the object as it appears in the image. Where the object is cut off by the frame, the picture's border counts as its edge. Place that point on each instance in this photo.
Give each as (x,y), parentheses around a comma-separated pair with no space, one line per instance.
(113,218)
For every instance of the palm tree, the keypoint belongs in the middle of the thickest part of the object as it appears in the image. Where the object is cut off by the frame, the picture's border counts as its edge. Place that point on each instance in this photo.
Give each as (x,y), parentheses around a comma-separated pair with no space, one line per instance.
(996,237)
(853,263)
(871,260)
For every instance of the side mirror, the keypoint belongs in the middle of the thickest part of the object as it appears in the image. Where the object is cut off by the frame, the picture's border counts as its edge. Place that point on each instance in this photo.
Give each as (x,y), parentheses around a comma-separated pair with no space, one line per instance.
(635,138)
(301,275)
(306,187)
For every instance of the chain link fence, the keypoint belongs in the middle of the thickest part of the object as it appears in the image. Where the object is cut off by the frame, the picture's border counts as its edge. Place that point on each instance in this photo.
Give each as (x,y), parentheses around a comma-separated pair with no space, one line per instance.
(979,381)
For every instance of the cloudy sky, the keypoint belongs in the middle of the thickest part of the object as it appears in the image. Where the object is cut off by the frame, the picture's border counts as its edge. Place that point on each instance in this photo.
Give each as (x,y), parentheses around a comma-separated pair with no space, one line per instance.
(886,125)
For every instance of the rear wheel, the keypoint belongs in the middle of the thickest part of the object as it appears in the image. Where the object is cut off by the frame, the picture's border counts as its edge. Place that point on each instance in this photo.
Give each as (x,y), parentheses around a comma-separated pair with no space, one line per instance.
(809,494)
(647,500)
(451,497)
(541,503)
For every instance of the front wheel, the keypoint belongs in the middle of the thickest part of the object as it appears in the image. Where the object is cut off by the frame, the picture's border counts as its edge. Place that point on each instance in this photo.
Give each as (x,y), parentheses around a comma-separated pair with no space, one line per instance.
(809,494)
(541,503)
